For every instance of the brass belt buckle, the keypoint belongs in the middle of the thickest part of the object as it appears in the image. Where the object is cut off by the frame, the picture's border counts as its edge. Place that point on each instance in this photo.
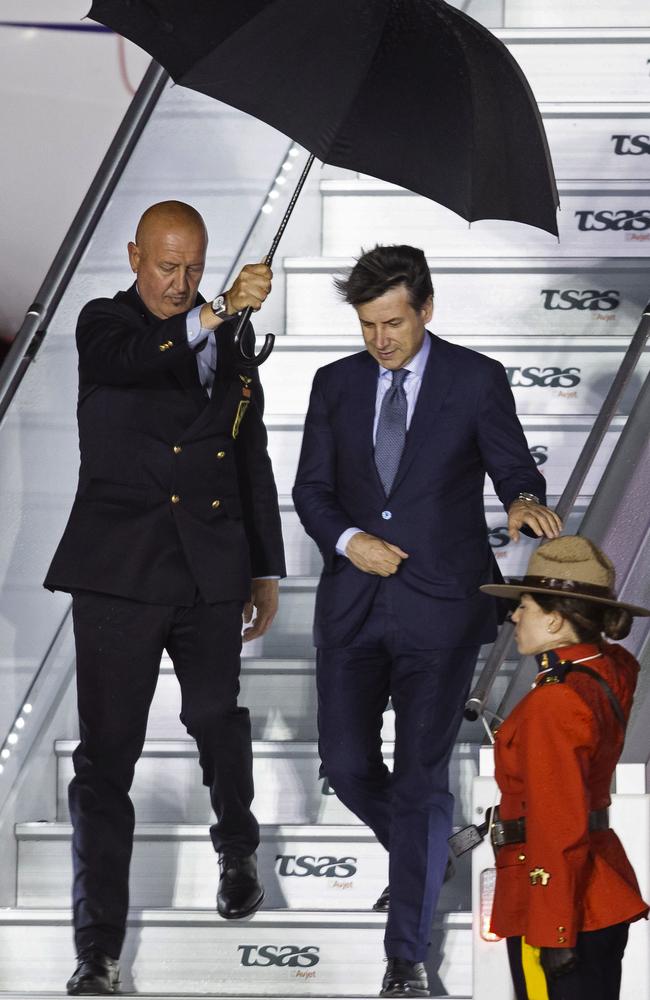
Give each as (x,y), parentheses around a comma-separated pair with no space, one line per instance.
(497,834)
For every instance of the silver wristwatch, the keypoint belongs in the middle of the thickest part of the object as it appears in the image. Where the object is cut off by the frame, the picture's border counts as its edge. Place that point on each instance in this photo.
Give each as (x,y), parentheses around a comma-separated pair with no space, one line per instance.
(219,306)
(528,497)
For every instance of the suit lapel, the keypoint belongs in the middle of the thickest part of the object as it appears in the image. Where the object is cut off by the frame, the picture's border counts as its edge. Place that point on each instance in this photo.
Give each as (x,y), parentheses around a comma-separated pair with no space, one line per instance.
(363,395)
(435,385)
(188,376)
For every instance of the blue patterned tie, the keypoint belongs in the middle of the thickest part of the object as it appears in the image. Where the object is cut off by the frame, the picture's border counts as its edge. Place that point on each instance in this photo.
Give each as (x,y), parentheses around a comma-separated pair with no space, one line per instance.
(391,430)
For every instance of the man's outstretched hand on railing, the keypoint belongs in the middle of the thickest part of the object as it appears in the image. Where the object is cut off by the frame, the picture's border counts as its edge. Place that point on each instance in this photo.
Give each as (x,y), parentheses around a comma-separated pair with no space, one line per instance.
(540,519)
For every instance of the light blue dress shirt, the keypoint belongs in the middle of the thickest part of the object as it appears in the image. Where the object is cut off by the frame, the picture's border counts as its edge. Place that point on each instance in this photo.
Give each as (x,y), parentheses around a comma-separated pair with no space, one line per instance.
(205,347)
(412,386)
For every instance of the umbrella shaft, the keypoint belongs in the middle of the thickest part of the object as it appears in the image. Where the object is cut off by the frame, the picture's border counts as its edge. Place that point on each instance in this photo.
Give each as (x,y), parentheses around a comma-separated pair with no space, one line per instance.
(247,313)
(287,215)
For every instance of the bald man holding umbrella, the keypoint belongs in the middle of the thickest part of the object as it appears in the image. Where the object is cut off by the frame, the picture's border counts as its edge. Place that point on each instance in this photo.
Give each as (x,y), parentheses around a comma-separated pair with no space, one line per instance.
(174,532)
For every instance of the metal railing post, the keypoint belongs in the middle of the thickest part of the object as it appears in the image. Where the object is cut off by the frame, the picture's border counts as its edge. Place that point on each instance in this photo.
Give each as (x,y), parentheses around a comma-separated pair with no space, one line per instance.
(32,330)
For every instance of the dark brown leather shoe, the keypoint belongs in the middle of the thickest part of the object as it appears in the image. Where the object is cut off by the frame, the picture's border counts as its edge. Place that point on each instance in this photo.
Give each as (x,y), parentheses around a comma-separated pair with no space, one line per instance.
(404,979)
(96,973)
(381,906)
(240,891)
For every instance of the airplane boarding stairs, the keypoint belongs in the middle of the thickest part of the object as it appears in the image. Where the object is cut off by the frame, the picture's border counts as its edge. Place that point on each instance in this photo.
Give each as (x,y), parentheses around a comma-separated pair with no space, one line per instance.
(559,317)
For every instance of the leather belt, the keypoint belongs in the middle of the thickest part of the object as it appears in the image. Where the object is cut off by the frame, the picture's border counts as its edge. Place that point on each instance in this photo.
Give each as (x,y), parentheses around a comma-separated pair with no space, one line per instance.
(513,831)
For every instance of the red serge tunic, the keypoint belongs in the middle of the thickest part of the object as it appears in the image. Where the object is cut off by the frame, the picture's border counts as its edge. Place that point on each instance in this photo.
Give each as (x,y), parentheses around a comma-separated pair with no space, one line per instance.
(555,755)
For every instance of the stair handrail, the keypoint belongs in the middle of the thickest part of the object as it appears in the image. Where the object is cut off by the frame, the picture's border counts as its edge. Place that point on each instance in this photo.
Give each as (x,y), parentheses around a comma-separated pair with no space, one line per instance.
(503,646)
(33,329)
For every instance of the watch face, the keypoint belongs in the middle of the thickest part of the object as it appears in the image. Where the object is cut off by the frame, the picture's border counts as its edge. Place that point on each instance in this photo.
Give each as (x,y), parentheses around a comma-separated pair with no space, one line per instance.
(219,305)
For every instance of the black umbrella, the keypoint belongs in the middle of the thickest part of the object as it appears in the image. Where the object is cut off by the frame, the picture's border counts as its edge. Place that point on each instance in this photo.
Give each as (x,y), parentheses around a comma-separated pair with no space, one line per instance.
(414,92)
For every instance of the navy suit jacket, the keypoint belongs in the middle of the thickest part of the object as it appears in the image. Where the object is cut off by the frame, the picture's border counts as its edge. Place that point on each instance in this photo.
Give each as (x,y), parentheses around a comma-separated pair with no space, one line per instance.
(464,426)
(148,432)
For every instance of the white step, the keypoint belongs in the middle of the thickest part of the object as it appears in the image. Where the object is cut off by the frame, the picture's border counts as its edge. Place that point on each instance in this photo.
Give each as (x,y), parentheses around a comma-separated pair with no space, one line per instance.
(521,298)
(280,695)
(365,212)
(281,698)
(168,789)
(291,633)
(303,558)
(195,952)
(583,64)
(309,867)
(555,442)
(598,141)
(566,376)
(554,13)
(302,867)
(292,628)
(553,437)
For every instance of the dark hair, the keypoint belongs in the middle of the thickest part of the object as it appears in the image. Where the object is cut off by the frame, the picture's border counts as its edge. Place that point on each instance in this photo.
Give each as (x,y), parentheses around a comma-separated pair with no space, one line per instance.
(589,620)
(379,270)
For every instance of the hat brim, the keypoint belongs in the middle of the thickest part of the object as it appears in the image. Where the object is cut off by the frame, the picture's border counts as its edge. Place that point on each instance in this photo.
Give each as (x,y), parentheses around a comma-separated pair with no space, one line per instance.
(514,590)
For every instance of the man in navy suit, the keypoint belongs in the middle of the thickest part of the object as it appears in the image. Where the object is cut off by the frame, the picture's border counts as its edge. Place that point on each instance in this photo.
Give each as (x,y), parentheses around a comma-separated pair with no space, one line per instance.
(397,442)
(174,533)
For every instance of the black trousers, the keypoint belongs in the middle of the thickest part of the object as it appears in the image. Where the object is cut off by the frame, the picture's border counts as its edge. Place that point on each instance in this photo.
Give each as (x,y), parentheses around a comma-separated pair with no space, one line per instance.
(596,977)
(119,644)
(410,811)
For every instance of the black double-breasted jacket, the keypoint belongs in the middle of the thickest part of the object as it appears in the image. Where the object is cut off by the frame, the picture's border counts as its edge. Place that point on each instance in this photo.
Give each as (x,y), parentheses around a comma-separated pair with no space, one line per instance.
(176,495)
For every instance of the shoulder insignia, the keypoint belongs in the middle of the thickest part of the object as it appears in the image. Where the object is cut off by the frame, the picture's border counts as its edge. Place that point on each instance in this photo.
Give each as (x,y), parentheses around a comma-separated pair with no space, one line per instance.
(552,669)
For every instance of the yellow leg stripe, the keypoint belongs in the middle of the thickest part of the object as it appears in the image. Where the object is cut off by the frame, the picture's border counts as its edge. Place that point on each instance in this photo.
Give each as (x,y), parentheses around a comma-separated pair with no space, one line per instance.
(533,973)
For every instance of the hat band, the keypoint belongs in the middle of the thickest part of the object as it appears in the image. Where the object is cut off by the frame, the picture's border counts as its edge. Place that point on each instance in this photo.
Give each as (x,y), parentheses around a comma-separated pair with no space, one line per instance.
(570,586)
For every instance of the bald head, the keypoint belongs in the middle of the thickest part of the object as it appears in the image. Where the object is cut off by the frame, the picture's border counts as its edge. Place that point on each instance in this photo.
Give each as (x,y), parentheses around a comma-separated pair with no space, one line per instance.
(168,257)
(168,216)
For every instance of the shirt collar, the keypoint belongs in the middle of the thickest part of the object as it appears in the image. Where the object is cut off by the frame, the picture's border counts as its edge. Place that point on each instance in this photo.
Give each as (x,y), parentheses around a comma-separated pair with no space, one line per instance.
(418,362)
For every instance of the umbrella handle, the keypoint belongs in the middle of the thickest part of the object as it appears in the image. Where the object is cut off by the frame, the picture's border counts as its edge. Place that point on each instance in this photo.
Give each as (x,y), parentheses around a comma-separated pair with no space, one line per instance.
(252,360)
(255,360)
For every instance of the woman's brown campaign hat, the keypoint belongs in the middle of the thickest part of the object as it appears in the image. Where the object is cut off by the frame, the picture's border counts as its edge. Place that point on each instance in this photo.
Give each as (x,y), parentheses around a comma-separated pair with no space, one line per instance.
(571,566)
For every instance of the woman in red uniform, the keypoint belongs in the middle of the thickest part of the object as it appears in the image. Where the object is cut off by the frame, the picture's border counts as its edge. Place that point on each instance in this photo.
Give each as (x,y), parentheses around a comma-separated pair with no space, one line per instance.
(565,892)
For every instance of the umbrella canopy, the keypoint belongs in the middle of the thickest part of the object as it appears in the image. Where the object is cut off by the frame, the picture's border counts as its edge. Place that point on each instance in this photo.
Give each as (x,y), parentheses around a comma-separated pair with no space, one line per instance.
(413,92)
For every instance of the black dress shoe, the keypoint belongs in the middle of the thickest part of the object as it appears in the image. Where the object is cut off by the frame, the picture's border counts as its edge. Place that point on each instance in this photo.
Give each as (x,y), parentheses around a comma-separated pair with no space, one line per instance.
(240,891)
(96,973)
(404,979)
(382,903)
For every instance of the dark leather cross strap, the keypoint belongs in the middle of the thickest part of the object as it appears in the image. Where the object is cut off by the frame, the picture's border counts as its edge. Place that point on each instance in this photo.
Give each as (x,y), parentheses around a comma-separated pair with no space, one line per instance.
(576,668)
